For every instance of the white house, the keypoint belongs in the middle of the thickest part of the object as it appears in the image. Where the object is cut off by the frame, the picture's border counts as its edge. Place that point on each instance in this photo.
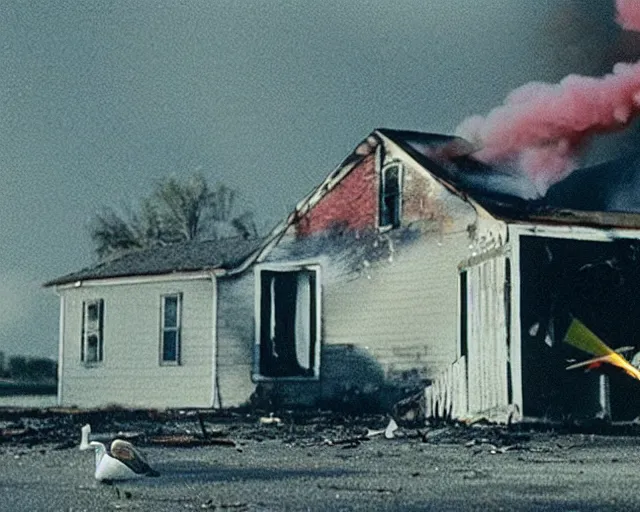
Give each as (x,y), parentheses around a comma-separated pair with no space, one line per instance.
(140,330)
(411,265)
(351,300)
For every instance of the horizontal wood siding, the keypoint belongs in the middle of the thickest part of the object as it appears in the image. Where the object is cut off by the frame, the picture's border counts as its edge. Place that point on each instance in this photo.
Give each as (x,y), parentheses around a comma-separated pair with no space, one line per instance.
(131,373)
(389,297)
(389,308)
(236,334)
(403,312)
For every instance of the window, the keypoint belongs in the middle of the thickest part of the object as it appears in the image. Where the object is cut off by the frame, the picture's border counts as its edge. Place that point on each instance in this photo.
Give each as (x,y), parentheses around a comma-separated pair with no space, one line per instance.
(390,196)
(91,347)
(288,324)
(170,331)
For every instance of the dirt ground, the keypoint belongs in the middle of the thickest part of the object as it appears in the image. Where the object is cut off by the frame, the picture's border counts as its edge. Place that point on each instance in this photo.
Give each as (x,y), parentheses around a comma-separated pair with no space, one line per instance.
(239,462)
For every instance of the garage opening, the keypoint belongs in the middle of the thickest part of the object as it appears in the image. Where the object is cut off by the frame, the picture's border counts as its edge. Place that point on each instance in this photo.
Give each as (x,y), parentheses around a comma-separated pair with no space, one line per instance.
(598,283)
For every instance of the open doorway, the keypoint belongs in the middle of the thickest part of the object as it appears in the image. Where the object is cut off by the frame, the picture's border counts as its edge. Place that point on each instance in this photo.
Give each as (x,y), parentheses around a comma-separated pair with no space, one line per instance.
(597,282)
(288,324)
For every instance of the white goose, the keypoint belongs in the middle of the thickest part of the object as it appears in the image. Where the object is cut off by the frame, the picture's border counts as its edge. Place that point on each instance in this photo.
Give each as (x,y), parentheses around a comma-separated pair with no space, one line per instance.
(120,462)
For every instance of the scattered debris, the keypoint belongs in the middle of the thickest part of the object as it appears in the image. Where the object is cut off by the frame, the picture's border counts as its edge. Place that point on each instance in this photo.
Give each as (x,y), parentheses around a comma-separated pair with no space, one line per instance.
(433,434)
(380,490)
(225,428)
(476,420)
(412,409)
(189,441)
(270,420)
(350,442)
(209,504)
(389,431)
(202,427)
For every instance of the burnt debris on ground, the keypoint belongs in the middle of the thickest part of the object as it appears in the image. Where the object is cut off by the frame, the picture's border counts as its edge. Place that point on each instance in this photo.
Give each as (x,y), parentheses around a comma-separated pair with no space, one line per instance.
(59,428)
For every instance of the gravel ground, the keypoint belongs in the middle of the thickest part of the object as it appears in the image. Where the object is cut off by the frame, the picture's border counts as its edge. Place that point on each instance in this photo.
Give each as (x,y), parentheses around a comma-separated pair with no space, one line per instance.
(324,465)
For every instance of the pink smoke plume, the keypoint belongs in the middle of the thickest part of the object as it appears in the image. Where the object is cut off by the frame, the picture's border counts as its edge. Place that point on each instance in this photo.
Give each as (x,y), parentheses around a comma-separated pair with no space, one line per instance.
(628,14)
(540,128)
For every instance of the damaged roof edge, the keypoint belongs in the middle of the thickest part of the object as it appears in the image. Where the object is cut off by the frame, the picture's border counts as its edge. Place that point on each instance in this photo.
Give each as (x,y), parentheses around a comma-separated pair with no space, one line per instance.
(427,165)
(510,208)
(445,177)
(501,206)
(367,147)
(609,220)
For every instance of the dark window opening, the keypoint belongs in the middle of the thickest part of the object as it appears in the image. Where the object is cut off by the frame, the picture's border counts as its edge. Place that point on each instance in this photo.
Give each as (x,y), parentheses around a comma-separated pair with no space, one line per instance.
(507,315)
(464,349)
(91,345)
(288,324)
(170,342)
(390,196)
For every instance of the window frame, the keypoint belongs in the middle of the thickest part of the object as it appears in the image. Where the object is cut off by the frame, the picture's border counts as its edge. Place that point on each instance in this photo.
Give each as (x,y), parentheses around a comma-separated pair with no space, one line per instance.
(177,329)
(86,331)
(395,217)
(315,320)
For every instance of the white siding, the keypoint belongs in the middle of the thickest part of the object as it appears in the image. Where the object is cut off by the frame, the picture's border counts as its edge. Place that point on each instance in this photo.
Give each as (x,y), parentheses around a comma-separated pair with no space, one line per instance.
(389,298)
(235,339)
(487,337)
(399,315)
(478,382)
(403,312)
(446,397)
(131,373)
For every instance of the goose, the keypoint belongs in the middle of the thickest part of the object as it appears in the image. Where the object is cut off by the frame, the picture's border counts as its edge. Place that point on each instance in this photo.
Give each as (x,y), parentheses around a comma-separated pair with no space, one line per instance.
(122,461)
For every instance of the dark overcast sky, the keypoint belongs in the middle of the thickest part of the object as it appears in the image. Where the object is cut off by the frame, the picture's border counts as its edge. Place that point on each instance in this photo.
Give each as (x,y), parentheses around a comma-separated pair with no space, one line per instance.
(100,99)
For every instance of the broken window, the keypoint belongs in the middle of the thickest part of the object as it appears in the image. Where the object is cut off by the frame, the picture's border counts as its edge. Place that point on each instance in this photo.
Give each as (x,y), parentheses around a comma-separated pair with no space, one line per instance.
(390,195)
(170,332)
(91,349)
(287,344)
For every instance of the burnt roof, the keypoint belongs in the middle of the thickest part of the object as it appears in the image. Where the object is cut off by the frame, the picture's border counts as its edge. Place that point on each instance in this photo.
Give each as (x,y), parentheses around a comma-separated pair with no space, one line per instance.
(180,257)
(450,159)
(600,196)
(610,186)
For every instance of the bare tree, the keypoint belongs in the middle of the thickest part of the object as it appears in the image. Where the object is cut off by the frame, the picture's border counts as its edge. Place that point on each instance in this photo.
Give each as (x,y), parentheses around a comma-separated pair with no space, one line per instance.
(175,211)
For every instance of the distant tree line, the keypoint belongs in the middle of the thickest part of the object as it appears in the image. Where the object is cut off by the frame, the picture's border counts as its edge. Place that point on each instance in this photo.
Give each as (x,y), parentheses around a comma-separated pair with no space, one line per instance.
(28,368)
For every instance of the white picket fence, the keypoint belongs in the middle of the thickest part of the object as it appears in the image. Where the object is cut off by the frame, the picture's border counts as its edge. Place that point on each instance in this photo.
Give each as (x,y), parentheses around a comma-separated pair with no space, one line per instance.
(446,397)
